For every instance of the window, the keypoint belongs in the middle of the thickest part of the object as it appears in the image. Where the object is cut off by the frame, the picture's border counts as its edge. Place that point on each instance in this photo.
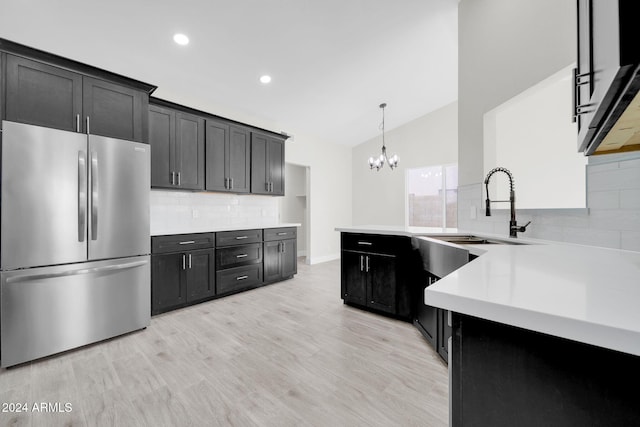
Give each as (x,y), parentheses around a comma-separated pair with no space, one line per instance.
(428,205)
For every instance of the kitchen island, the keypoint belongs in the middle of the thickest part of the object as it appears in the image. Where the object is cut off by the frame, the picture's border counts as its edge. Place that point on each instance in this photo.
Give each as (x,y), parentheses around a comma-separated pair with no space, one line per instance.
(544,333)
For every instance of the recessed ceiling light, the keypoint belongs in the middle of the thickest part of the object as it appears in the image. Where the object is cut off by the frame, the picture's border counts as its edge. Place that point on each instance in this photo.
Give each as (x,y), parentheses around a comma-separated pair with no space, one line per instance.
(181,39)
(265,79)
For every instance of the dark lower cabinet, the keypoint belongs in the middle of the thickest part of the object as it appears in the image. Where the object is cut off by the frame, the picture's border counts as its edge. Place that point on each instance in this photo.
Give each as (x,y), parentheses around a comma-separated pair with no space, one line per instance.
(280,253)
(280,260)
(444,333)
(501,375)
(376,273)
(200,268)
(181,278)
(191,268)
(183,270)
(169,282)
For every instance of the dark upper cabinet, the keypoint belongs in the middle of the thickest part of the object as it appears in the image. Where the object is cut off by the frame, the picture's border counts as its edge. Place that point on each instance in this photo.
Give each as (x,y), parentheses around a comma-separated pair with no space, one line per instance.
(162,137)
(177,154)
(114,110)
(267,164)
(228,158)
(45,95)
(607,78)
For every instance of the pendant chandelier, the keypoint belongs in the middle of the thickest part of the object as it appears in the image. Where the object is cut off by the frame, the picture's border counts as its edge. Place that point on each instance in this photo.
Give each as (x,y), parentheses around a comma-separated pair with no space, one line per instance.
(379,162)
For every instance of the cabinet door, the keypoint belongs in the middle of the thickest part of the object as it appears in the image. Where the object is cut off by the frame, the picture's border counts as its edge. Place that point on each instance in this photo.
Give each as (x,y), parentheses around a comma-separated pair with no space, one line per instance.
(272,269)
(239,164)
(189,160)
(289,258)
(353,277)
(162,140)
(217,140)
(113,110)
(259,146)
(444,332)
(381,270)
(168,282)
(200,275)
(275,166)
(42,95)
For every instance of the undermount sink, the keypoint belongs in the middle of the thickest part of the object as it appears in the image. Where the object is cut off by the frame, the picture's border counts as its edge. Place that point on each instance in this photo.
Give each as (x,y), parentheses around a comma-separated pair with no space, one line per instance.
(474,240)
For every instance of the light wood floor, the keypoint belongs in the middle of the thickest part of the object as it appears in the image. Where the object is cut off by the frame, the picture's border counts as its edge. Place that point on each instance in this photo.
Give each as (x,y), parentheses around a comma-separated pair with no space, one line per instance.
(288,354)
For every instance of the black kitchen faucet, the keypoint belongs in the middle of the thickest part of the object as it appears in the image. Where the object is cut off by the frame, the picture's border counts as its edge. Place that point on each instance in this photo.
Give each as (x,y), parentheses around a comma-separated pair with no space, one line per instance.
(513,225)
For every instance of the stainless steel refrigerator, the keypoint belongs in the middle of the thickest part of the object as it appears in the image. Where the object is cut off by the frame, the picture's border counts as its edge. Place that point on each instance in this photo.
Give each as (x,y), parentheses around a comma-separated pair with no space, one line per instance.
(75,244)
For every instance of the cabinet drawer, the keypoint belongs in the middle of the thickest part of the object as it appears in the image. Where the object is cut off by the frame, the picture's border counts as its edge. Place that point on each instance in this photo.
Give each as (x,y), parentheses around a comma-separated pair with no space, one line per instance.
(235,279)
(234,256)
(240,237)
(375,243)
(279,233)
(181,242)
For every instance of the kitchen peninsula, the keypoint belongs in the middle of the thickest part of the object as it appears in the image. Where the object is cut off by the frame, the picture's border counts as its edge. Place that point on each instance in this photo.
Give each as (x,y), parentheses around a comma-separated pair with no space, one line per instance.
(544,333)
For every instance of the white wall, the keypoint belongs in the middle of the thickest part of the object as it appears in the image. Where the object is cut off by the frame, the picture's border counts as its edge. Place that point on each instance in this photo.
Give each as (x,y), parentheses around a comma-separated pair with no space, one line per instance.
(329,196)
(379,196)
(293,206)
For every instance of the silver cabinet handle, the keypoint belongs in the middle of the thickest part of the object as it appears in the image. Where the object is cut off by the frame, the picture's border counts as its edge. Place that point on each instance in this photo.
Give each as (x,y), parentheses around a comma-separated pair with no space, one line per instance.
(242,256)
(189,260)
(77,122)
(361,263)
(367,263)
(173,178)
(178,179)
(184,262)
(266,184)
(88,128)
(94,195)
(188,242)
(242,277)
(82,195)
(241,237)
(282,234)
(226,183)
(365,243)
(29,277)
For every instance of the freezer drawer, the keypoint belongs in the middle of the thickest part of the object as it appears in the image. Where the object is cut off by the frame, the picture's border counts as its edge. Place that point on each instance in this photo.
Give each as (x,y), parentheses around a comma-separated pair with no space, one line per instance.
(47,310)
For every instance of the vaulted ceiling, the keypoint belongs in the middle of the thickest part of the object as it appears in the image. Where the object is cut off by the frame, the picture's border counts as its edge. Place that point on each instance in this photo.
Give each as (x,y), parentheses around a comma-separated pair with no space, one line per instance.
(332,62)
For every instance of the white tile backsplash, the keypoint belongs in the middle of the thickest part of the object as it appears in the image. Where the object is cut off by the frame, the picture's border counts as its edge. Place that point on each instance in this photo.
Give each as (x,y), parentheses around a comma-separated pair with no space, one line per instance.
(612,219)
(176,210)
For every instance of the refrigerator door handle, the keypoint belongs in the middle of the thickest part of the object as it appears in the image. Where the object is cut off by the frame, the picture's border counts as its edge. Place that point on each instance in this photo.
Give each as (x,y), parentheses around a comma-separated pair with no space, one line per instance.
(94,195)
(30,277)
(82,196)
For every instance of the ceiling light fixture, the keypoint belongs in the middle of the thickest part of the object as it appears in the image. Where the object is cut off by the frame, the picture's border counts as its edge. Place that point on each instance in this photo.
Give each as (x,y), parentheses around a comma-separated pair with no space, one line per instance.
(378,163)
(265,79)
(181,39)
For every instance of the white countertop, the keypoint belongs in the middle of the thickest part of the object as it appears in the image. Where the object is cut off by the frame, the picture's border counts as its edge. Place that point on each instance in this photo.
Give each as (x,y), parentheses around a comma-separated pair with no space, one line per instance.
(212,229)
(583,293)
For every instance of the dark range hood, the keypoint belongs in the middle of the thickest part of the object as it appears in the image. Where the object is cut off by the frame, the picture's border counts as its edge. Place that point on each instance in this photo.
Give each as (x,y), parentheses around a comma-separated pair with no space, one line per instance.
(607,80)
